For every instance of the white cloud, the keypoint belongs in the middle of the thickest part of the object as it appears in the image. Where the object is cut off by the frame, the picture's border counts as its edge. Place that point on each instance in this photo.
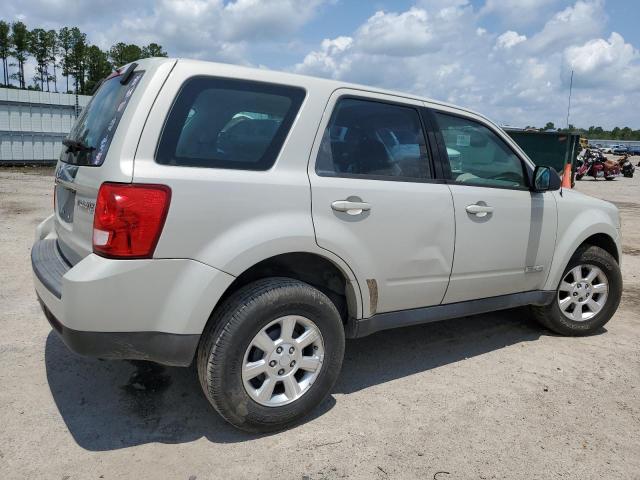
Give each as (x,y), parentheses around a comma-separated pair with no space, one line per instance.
(601,62)
(258,19)
(217,30)
(213,29)
(511,77)
(399,34)
(440,68)
(509,39)
(324,62)
(575,23)
(599,53)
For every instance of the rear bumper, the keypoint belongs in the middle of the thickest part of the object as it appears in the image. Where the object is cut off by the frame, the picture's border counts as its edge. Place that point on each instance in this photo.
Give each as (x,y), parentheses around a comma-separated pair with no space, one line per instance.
(49,265)
(166,348)
(152,309)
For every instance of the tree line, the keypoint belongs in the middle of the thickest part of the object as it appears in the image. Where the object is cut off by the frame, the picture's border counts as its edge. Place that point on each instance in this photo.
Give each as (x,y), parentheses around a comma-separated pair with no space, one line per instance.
(599,133)
(64,53)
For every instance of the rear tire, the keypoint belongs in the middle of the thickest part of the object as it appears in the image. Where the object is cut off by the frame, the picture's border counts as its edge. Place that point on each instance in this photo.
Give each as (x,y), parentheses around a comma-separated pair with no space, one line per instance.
(258,314)
(590,259)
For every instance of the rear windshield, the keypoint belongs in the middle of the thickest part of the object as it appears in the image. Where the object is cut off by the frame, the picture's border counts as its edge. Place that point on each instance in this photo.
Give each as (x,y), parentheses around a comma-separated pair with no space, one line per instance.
(227,123)
(93,131)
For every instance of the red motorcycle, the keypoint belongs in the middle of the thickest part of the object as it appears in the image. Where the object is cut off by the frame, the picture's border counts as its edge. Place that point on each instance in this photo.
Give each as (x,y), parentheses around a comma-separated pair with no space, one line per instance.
(596,165)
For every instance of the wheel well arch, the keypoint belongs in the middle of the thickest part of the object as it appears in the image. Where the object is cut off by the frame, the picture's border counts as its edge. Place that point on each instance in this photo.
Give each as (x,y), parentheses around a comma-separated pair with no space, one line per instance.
(310,268)
(605,242)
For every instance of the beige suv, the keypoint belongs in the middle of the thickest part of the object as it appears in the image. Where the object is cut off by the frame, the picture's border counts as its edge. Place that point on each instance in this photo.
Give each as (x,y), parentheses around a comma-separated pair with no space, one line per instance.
(251,220)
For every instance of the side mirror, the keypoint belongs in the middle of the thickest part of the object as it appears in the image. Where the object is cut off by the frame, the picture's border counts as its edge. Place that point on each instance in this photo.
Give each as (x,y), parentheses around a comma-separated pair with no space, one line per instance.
(545,179)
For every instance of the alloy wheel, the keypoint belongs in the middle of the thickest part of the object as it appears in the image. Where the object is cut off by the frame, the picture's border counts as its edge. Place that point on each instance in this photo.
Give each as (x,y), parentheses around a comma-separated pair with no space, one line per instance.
(583,292)
(283,361)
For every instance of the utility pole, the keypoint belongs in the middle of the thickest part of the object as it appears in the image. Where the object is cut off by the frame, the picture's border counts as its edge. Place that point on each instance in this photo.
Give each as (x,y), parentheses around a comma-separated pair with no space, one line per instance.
(569,107)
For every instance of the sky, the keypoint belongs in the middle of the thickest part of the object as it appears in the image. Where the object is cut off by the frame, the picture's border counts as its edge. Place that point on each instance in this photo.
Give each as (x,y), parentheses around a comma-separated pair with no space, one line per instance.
(508,59)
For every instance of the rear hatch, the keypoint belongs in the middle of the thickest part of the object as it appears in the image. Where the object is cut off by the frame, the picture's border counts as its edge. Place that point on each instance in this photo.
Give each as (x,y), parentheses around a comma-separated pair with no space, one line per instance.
(101,147)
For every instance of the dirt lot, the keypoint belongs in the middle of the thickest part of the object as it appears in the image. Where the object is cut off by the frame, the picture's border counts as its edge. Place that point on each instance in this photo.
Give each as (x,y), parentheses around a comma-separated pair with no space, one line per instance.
(490,396)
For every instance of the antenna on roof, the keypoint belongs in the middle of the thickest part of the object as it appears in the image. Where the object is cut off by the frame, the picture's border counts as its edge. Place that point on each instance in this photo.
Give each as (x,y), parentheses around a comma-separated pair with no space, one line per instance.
(569,107)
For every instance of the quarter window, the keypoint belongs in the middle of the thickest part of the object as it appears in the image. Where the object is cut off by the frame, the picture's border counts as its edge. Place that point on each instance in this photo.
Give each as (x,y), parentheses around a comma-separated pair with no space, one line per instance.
(226,123)
(374,140)
(477,156)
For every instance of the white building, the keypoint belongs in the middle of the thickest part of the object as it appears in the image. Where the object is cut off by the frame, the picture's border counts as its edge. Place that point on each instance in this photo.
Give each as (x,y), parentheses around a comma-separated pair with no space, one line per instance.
(33,124)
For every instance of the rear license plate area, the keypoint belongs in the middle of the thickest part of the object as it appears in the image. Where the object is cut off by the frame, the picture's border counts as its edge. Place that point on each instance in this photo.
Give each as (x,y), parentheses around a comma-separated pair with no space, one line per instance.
(65,201)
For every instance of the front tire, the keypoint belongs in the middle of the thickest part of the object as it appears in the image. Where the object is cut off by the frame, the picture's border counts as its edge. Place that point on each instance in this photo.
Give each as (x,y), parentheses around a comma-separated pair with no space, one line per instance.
(588,294)
(270,354)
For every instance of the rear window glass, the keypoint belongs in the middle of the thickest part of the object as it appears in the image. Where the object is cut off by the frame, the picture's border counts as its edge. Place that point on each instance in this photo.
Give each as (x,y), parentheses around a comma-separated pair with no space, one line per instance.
(92,133)
(226,123)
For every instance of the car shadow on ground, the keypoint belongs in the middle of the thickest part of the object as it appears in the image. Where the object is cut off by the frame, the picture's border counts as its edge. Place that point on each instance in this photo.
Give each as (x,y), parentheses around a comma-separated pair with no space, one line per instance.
(397,353)
(108,405)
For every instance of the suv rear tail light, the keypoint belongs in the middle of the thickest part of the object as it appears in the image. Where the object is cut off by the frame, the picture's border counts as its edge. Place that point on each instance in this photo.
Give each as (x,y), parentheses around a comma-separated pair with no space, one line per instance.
(129,218)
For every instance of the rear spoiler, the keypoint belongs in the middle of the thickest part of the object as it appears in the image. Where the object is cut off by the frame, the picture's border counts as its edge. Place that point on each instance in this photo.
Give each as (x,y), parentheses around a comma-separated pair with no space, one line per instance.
(126,76)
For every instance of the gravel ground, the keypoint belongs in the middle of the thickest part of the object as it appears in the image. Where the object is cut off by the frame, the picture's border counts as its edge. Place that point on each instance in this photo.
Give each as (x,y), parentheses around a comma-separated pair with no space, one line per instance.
(489,396)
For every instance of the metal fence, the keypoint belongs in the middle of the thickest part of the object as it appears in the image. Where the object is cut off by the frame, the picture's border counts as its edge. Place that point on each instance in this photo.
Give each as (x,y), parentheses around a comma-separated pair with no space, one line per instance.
(33,124)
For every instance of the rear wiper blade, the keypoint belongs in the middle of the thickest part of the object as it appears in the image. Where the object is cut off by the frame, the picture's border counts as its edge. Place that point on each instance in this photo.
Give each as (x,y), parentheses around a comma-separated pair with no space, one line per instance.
(77,146)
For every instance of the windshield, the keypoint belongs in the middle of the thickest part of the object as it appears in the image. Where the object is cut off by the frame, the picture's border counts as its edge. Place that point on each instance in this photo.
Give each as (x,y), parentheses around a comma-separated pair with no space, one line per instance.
(88,142)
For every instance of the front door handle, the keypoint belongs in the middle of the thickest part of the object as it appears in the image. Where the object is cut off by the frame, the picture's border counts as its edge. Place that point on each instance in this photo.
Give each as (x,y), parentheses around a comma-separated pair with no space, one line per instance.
(479,210)
(350,207)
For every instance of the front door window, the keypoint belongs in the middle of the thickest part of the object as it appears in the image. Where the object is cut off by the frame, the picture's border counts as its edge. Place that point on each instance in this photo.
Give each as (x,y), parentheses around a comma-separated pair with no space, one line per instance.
(477,156)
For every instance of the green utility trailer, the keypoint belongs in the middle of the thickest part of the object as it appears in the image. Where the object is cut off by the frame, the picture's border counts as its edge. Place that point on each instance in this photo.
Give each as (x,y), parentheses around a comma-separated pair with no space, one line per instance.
(551,149)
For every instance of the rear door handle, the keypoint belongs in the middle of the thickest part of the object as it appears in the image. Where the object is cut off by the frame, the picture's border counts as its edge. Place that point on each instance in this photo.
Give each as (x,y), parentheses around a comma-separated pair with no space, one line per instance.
(350,208)
(479,210)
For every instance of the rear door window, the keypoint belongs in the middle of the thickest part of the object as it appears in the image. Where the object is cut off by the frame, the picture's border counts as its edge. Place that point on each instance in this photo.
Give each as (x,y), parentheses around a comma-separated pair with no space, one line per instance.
(227,123)
(91,135)
(374,140)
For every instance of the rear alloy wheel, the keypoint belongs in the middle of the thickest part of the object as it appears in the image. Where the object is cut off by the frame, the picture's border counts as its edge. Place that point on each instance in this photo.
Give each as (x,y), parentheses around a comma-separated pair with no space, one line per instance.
(283,361)
(271,353)
(588,294)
